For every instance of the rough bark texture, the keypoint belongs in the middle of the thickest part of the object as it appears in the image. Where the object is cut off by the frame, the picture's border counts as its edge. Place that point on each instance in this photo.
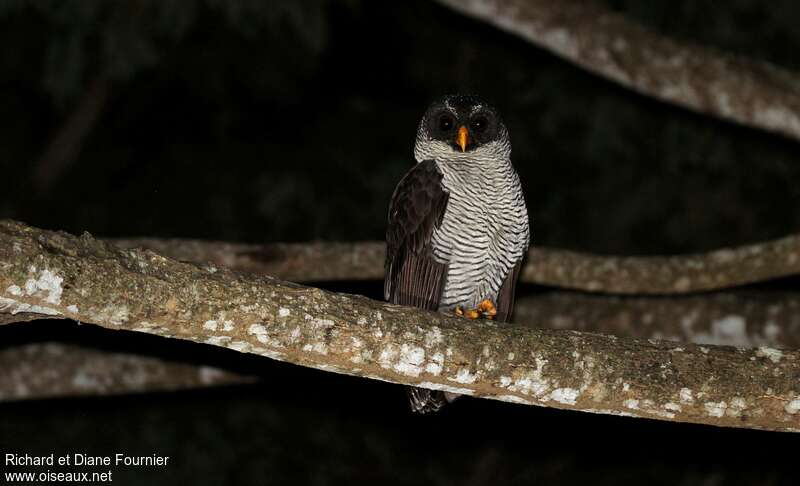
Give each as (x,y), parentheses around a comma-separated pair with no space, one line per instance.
(56,274)
(743,318)
(733,88)
(658,275)
(42,370)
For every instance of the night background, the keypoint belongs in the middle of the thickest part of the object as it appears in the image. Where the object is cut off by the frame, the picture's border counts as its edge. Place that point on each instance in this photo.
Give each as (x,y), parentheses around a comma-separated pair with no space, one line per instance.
(293,121)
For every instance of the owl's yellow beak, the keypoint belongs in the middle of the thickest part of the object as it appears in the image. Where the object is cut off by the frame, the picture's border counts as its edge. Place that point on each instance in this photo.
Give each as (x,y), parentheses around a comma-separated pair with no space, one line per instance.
(462,139)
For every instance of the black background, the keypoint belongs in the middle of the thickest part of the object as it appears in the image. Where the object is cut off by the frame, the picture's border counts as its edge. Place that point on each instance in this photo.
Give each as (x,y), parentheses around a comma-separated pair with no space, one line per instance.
(293,121)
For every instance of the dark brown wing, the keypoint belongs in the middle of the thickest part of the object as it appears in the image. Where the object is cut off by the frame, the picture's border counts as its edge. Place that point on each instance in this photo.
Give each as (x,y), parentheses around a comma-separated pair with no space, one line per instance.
(505,297)
(412,276)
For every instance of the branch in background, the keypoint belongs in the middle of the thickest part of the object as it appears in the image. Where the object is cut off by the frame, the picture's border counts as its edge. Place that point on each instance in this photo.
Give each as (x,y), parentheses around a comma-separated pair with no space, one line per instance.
(743,318)
(43,370)
(683,274)
(59,275)
(730,87)
(296,262)
(66,145)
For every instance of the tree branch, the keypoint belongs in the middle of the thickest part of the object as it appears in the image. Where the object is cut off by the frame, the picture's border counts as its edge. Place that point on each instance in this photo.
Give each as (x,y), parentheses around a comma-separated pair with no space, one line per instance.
(658,275)
(730,87)
(59,275)
(43,370)
(750,319)
(743,318)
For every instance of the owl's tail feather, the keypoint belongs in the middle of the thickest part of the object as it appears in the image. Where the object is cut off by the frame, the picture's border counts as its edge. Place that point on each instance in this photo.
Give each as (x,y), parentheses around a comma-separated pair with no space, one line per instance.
(427,401)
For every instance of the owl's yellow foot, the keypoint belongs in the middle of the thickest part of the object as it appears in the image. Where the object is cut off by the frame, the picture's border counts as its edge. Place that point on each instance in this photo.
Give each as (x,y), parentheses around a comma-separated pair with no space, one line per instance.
(486,309)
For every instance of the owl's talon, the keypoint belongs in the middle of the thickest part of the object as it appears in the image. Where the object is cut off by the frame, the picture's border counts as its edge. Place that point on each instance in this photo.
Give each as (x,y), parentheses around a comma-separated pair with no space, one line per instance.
(486,309)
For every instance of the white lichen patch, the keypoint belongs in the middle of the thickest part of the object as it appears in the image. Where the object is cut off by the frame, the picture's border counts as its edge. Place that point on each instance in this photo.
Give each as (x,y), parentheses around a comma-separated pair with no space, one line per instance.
(446,388)
(47,285)
(512,399)
(736,407)
(673,407)
(620,413)
(217,340)
(211,325)
(772,331)
(433,337)
(631,403)
(241,346)
(435,364)
(14,290)
(14,307)
(256,330)
(686,396)
(715,409)
(564,395)
(361,321)
(529,383)
(730,330)
(317,347)
(511,356)
(209,375)
(388,356)
(321,323)
(464,376)
(773,354)
(72,308)
(793,406)
(295,334)
(87,381)
(284,312)
(410,360)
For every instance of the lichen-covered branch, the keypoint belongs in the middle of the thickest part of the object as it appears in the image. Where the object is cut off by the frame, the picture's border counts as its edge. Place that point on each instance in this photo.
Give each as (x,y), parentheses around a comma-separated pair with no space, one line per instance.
(658,275)
(56,274)
(748,318)
(765,319)
(42,370)
(730,87)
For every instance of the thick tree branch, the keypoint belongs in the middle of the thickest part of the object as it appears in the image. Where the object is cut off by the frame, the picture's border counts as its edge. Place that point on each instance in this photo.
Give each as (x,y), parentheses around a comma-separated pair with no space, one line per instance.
(658,275)
(603,42)
(59,275)
(750,319)
(42,370)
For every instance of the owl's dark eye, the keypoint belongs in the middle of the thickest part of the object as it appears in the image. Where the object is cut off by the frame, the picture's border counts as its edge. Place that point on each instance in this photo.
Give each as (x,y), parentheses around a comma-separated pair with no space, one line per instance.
(446,123)
(479,124)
